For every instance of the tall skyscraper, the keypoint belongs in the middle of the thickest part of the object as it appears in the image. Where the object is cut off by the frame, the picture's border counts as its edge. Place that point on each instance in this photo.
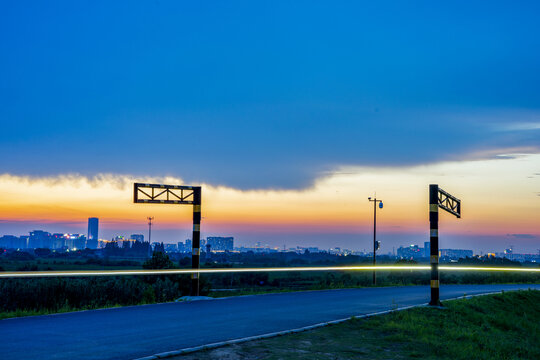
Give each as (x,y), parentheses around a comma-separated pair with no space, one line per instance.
(93,228)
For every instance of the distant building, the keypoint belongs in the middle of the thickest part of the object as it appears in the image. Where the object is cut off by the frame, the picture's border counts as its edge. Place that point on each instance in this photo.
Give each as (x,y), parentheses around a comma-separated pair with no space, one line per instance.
(75,241)
(455,254)
(416,252)
(102,243)
(520,257)
(219,243)
(170,247)
(180,246)
(93,230)
(137,237)
(259,249)
(410,252)
(122,242)
(58,241)
(427,249)
(24,239)
(39,239)
(79,241)
(158,247)
(304,250)
(11,242)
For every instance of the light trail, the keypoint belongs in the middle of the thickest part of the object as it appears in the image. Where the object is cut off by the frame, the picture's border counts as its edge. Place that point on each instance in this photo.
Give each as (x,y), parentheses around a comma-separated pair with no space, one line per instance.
(31,274)
(479,268)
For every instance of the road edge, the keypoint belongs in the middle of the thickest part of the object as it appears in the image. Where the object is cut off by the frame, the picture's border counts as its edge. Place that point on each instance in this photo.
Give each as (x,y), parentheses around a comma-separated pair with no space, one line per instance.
(189,350)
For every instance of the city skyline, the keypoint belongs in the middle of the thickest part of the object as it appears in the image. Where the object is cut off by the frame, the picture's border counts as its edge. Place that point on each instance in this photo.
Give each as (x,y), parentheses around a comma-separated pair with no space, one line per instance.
(134,246)
(256,242)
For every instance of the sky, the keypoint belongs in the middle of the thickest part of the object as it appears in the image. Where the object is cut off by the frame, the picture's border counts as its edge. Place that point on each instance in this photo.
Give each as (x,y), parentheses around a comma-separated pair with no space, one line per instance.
(289,114)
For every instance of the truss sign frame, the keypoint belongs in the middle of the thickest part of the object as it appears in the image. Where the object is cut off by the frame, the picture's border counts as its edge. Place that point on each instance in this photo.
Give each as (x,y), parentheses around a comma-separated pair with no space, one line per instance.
(178,195)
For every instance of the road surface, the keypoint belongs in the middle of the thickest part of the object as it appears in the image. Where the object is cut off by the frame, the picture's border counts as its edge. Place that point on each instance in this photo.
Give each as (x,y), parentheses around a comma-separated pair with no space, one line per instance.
(137,331)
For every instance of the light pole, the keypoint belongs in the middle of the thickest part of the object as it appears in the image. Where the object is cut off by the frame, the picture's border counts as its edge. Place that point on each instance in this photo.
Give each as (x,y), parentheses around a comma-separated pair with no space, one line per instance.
(150,218)
(376,244)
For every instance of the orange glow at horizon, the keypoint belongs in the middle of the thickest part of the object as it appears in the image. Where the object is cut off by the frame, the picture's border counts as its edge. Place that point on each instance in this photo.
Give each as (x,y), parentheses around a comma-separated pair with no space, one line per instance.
(499,196)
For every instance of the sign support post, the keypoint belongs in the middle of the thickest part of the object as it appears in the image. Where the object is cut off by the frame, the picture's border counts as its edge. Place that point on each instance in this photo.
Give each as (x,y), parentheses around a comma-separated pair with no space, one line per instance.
(196,241)
(177,194)
(438,198)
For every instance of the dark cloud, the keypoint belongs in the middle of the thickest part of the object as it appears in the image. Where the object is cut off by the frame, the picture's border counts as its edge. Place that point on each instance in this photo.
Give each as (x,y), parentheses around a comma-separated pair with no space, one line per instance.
(195,95)
(285,147)
(523,236)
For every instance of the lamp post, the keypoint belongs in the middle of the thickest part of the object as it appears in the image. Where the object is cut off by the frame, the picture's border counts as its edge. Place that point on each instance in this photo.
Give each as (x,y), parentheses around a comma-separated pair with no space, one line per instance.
(150,218)
(376,244)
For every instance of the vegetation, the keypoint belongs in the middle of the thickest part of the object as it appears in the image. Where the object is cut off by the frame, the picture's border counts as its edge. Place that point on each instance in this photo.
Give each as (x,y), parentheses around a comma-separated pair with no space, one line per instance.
(21,297)
(505,326)
(159,260)
(49,264)
(50,295)
(31,296)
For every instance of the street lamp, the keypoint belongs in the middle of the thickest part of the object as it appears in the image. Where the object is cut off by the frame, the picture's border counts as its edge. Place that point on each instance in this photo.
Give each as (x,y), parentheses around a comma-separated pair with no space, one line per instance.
(376,244)
(150,219)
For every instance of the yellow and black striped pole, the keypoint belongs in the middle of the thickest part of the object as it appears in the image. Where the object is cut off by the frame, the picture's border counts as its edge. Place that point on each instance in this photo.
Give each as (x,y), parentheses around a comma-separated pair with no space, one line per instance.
(434,242)
(196,243)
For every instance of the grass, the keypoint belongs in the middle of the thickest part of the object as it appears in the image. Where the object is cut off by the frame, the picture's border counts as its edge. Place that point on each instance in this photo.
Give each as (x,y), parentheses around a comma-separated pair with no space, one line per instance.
(502,326)
(65,264)
(63,310)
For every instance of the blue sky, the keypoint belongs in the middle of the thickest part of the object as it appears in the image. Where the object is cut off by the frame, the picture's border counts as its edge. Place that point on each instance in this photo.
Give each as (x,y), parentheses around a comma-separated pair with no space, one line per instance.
(262,94)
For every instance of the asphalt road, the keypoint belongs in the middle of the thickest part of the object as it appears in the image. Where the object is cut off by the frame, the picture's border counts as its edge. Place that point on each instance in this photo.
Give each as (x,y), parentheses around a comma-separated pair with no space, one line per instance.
(138,331)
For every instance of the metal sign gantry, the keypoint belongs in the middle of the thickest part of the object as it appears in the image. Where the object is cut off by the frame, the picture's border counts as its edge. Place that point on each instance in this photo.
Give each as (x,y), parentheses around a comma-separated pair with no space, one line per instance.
(438,198)
(177,194)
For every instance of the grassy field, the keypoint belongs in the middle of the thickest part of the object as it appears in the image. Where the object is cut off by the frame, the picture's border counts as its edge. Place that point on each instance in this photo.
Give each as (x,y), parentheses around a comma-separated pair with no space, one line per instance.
(65,309)
(502,326)
(68,264)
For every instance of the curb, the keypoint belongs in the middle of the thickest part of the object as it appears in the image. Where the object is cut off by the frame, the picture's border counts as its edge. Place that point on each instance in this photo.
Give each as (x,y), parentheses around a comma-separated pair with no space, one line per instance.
(265,336)
(184,351)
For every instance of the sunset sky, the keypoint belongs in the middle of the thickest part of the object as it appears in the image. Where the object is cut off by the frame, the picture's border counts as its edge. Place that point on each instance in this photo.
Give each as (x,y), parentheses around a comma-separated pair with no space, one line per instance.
(288,115)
